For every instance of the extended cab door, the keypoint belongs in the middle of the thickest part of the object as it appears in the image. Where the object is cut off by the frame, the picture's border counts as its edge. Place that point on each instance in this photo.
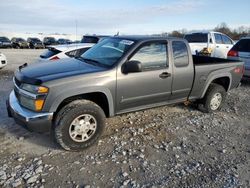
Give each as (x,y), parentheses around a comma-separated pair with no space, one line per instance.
(139,90)
(183,70)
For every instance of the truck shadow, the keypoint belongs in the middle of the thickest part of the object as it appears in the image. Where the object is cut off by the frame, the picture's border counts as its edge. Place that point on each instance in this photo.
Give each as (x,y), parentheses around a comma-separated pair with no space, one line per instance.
(245,82)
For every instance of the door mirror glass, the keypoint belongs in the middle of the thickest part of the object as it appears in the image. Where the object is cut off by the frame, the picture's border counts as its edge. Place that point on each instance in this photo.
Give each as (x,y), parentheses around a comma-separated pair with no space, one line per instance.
(131,66)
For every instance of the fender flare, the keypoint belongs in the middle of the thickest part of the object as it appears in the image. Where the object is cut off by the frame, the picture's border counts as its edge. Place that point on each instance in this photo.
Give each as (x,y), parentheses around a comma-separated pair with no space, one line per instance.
(81,91)
(212,78)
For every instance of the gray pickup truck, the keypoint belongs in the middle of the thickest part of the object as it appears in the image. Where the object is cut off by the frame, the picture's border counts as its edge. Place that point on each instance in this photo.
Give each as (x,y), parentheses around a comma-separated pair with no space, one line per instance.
(72,97)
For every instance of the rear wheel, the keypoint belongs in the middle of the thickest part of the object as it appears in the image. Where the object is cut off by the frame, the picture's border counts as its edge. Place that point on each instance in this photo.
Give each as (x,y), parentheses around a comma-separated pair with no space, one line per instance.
(78,125)
(214,98)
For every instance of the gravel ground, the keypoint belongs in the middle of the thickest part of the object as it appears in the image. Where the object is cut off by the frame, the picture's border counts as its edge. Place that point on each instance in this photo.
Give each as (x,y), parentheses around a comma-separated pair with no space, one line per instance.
(174,146)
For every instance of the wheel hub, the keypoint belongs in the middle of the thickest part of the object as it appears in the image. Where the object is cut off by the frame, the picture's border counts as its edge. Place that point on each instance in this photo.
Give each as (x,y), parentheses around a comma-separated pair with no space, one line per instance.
(82,128)
(216,101)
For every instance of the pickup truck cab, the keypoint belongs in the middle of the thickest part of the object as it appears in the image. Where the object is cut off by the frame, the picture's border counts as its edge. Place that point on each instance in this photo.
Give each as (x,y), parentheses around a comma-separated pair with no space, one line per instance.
(211,43)
(120,74)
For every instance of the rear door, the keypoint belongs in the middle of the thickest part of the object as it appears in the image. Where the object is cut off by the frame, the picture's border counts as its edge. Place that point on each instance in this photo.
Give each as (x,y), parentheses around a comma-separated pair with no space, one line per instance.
(143,89)
(223,45)
(183,70)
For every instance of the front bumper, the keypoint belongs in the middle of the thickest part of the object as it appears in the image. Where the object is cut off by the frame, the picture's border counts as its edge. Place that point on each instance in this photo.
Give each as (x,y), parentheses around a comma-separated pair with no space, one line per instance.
(33,121)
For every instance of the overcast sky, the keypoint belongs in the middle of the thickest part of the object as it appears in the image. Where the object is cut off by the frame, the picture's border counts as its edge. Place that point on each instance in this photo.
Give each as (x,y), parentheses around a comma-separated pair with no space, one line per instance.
(127,16)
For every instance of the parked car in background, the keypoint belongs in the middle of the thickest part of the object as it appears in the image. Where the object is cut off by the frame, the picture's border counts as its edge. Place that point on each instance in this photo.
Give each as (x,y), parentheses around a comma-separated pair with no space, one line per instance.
(64,41)
(93,38)
(241,51)
(76,42)
(35,43)
(49,41)
(5,42)
(19,43)
(64,51)
(3,60)
(211,43)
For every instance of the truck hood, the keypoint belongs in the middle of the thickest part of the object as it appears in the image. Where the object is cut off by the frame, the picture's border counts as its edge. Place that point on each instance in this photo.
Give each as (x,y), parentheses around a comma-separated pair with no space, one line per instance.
(38,73)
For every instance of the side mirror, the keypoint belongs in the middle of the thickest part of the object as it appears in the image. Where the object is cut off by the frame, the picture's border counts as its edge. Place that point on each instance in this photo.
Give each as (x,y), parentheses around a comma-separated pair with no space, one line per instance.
(131,66)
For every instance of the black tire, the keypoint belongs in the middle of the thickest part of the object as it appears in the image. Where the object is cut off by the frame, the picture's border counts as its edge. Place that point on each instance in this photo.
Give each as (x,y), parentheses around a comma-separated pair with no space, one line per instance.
(212,91)
(68,114)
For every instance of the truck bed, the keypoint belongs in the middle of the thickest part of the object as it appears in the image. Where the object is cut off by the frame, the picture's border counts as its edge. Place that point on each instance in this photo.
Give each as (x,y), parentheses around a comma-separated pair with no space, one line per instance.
(205,60)
(208,68)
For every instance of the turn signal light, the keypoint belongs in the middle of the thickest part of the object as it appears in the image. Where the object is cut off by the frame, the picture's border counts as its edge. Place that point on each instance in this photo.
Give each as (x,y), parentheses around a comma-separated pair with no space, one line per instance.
(39,104)
(42,89)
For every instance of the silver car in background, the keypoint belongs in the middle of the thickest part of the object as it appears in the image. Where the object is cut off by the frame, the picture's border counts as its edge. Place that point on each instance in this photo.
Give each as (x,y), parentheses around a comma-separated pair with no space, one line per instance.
(241,51)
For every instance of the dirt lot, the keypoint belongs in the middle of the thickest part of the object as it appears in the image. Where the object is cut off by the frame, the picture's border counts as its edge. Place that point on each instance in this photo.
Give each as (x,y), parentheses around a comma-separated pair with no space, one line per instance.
(175,146)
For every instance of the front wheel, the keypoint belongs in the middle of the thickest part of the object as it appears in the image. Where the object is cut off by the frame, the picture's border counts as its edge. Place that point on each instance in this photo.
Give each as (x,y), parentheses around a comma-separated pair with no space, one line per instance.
(78,125)
(214,98)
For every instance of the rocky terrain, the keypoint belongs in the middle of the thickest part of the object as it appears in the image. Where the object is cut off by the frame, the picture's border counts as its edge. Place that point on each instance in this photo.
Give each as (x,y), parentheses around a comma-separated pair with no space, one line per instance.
(173,146)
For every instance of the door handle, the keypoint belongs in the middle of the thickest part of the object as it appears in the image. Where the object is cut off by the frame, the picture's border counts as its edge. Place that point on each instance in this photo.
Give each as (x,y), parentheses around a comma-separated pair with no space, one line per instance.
(217,46)
(165,75)
(227,46)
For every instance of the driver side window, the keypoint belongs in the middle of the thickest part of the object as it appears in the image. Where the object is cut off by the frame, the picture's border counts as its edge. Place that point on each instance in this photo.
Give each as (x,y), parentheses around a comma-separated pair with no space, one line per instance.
(153,56)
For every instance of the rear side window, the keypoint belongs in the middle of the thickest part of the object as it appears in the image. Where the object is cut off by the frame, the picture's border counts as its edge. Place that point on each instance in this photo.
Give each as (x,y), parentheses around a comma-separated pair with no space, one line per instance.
(180,53)
(77,53)
(153,56)
(49,53)
(81,51)
(197,38)
(242,46)
(72,53)
(218,38)
(226,40)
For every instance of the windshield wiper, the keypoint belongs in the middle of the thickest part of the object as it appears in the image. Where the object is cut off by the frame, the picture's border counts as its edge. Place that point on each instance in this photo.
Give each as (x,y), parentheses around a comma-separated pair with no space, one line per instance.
(92,62)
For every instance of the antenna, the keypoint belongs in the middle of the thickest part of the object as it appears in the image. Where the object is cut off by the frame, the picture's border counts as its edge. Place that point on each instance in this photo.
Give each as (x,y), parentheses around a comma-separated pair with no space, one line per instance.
(76,31)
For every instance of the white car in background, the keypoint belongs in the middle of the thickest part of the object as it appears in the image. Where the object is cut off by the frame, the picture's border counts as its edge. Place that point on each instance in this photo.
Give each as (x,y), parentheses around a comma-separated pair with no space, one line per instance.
(213,44)
(56,52)
(3,60)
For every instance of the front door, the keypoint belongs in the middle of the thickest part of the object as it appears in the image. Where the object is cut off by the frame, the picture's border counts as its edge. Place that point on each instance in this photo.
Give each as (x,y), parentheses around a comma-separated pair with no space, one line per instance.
(153,85)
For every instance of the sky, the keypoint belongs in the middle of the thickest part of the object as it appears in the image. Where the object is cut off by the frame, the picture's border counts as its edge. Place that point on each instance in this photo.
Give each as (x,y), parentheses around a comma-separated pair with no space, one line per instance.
(125,17)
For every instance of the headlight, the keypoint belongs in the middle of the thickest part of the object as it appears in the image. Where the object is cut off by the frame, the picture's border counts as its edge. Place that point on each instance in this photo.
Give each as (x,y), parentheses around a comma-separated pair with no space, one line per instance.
(35,89)
(33,103)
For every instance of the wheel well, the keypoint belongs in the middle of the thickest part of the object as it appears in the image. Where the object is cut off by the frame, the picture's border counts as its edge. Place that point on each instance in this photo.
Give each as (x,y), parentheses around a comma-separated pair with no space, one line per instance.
(96,97)
(223,81)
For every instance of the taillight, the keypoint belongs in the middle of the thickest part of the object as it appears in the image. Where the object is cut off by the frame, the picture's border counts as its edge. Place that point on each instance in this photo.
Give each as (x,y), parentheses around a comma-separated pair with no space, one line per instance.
(54,58)
(233,53)
(239,70)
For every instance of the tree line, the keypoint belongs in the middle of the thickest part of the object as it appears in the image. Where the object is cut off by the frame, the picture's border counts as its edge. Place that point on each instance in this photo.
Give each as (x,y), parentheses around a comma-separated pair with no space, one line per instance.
(235,34)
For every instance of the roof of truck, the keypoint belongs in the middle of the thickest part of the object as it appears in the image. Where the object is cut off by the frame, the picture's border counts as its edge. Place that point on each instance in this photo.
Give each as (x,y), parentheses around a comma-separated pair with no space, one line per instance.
(144,37)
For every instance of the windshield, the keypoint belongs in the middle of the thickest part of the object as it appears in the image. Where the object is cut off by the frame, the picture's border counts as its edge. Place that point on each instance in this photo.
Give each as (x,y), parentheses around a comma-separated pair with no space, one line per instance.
(108,51)
(20,40)
(242,46)
(4,39)
(35,40)
(197,38)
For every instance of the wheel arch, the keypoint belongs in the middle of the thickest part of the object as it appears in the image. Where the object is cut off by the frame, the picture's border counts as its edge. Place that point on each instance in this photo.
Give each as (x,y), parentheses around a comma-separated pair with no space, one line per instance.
(223,80)
(101,98)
